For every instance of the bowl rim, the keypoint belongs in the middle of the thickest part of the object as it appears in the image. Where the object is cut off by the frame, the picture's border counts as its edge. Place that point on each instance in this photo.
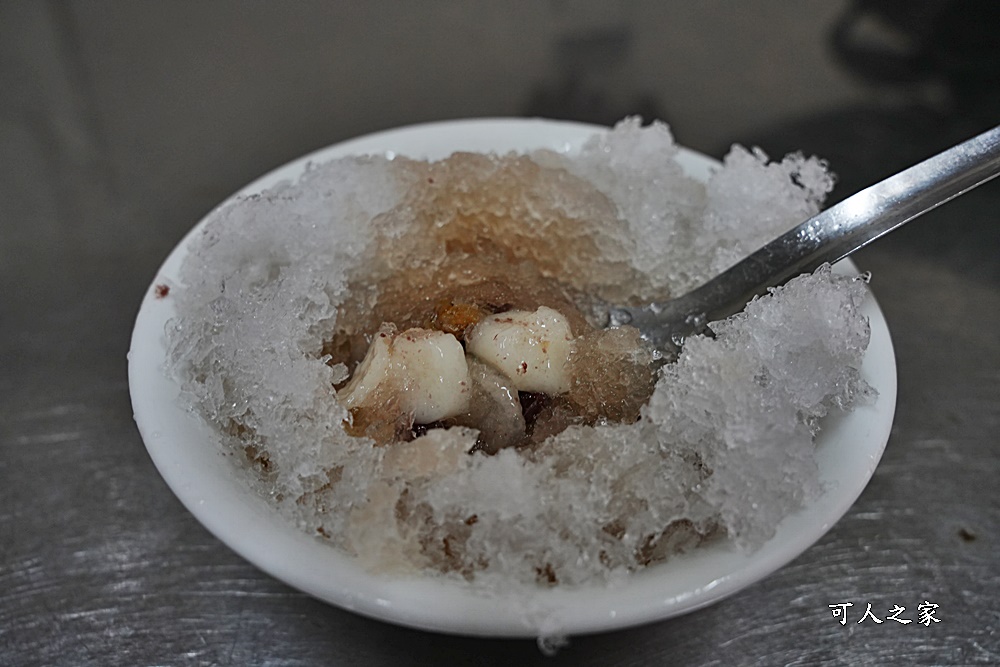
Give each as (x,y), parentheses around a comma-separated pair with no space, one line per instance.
(211,488)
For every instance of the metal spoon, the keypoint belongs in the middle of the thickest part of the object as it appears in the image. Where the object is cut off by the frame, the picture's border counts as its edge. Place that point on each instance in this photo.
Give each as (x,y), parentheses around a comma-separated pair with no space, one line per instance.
(827,237)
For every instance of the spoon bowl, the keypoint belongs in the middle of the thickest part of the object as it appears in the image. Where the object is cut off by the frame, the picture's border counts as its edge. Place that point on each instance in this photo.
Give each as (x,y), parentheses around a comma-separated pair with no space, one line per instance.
(190,457)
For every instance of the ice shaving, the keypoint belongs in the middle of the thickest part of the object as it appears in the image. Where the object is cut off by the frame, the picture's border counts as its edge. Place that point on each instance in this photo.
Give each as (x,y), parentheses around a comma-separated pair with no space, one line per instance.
(408,359)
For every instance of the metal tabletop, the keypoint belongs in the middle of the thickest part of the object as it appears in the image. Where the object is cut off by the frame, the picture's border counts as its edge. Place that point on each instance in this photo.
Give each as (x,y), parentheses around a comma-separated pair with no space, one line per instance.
(121,124)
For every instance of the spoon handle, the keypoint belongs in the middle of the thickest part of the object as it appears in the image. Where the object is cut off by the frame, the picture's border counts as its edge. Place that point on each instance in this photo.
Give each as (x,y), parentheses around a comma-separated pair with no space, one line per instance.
(829,236)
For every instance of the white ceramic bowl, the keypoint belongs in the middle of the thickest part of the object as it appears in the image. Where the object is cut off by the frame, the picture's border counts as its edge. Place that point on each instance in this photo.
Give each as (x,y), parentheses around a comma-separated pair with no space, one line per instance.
(189,456)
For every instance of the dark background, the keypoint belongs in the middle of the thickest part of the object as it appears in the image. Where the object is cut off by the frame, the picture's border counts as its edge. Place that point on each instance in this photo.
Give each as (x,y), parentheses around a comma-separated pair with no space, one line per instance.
(122,123)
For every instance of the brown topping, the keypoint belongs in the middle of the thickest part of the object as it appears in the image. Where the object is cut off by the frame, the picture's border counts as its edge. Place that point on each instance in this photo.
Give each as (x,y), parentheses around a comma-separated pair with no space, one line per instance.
(615,529)
(333,475)
(679,536)
(385,423)
(456,318)
(259,458)
(546,575)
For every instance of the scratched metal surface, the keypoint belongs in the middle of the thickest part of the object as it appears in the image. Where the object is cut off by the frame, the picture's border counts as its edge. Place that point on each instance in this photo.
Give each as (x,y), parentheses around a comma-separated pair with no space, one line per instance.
(108,154)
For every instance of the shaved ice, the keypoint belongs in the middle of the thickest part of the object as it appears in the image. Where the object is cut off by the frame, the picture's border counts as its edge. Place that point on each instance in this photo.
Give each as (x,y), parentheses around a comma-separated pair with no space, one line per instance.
(282,293)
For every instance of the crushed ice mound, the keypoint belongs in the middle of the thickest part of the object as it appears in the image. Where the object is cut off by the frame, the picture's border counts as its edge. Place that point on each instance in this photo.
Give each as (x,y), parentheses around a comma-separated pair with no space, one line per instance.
(724,449)
(778,367)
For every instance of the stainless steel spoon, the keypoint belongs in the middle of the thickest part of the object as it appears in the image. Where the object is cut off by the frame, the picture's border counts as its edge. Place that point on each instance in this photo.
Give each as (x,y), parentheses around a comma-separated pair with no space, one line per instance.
(827,237)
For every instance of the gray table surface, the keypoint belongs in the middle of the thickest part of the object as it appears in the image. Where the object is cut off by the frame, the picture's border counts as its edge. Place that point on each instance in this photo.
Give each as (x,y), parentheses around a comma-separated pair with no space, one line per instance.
(117,134)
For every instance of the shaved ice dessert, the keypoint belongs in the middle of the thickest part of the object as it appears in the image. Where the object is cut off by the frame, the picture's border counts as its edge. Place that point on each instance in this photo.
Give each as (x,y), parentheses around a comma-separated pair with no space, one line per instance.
(408,358)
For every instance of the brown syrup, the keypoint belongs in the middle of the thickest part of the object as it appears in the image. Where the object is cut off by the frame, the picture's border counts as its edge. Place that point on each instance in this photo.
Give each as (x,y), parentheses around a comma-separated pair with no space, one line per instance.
(484,235)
